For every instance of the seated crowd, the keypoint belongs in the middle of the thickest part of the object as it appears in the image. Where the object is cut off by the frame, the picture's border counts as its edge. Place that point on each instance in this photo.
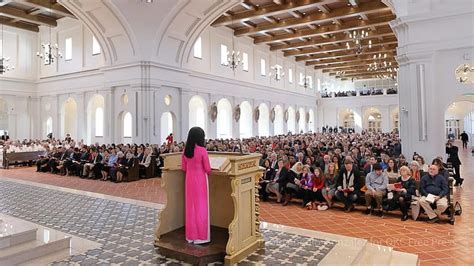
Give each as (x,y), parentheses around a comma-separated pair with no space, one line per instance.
(319,168)
(104,162)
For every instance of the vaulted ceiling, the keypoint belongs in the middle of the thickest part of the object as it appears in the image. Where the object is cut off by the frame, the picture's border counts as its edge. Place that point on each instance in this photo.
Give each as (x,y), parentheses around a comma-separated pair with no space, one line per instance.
(30,14)
(318,32)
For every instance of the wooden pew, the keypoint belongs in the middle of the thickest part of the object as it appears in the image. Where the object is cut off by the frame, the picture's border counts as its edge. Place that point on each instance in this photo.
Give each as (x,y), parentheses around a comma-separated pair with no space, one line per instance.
(21,157)
(150,170)
(133,172)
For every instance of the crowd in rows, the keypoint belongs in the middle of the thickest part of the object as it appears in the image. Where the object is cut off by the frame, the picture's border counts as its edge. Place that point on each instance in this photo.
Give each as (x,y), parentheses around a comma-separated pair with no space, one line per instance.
(316,167)
(362,92)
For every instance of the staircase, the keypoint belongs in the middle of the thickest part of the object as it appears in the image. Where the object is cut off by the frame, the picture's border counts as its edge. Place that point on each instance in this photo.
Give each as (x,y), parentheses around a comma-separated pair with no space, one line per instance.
(23,243)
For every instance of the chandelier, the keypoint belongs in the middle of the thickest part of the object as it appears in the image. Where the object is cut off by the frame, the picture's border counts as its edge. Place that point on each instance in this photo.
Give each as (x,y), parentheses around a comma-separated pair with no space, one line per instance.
(340,74)
(276,72)
(356,39)
(233,58)
(306,81)
(380,65)
(465,73)
(4,67)
(49,51)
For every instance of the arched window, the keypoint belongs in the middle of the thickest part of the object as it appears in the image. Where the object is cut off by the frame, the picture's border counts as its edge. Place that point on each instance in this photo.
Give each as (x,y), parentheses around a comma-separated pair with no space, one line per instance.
(197,112)
(127,125)
(166,125)
(99,122)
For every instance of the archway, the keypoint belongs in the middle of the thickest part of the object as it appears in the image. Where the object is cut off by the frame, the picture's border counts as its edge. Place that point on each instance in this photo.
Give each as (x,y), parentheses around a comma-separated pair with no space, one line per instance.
(197,112)
(291,120)
(69,118)
(373,120)
(395,120)
(302,121)
(245,122)
(166,125)
(95,119)
(127,128)
(224,119)
(3,117)
(311,124)
(48,128)
(346,119)
(263,120)
(278,122)
(459,117)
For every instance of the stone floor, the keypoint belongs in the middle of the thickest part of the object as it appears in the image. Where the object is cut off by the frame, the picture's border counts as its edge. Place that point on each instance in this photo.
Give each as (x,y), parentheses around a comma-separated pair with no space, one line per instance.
(434,243)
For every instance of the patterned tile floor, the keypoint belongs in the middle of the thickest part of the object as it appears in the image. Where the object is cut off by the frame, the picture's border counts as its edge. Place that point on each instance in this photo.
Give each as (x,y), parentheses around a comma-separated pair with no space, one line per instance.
(434,243)
(126,231)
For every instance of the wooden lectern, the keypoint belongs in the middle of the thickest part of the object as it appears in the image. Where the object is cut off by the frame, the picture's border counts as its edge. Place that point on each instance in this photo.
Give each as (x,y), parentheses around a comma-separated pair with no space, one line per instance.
(233,207)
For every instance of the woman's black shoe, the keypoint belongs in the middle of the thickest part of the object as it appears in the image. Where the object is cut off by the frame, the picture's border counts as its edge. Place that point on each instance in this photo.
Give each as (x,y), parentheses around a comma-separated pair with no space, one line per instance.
(405,217)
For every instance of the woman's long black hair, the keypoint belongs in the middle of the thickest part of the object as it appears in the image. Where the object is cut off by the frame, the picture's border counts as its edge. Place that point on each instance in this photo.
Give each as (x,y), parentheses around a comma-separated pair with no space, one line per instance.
(196,136)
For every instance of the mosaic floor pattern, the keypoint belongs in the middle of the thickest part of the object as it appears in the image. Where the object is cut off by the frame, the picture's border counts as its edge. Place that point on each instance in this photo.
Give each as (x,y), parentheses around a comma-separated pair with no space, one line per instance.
(126,231)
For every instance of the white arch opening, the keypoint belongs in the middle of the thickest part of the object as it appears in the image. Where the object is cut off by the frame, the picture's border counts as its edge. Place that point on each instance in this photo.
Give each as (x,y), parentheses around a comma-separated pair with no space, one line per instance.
(245,122)
(197,112)
(166,124)
(69,118)
(279,120)
(264,120)
(224,119)
(291,120)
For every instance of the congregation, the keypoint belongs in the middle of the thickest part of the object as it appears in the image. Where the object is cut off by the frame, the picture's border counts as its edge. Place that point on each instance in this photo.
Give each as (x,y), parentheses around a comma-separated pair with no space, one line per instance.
(319,168)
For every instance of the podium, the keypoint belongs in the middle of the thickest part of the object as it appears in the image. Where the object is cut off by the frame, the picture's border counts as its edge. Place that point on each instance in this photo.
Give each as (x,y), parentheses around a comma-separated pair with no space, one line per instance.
(233,207)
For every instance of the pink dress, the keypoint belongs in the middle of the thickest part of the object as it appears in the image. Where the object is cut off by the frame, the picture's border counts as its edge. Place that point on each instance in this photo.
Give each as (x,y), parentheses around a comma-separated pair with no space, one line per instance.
(197,222)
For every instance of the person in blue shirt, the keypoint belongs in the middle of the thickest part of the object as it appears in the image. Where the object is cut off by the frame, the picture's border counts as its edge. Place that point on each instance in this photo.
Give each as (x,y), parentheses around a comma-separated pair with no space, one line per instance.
(376,183)
(437,185)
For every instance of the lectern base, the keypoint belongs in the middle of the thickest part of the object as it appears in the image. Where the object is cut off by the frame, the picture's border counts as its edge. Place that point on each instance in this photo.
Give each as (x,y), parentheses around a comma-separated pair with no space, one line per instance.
(174,245)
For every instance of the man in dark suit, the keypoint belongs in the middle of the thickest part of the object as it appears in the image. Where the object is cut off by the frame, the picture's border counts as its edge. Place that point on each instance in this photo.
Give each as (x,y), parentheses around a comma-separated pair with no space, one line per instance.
(465,139)
(348,187)
(452,152)
(370,167)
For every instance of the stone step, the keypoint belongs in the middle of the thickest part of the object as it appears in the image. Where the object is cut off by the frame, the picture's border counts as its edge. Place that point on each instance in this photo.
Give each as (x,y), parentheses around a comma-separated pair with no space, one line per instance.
(374,254)
(31,250)
(403,258)
(12,238)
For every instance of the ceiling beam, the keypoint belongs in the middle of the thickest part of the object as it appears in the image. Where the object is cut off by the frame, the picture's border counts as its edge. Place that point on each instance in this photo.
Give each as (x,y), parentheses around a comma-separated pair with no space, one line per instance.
(346,53)
(369,73)
(328,63)
(269,10)
(331,29)
(336,14)
(18,14)
(357,65)
(317,50)
(357,71)
(53,8)
(19,25)
(247,5)
(338,38)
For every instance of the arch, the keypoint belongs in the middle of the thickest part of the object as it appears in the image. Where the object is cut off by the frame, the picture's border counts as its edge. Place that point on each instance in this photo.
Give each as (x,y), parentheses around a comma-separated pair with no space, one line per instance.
(167,125)
(119,45)
(69,118)
(459,116)
(302,121)
(3,116)
(395,119)
(346,118)
(264,120)
(197,112)
(311,124)
(373,119)
(95,118)
(291,120)
(127,127)
(224,119)
(48,128)
(245,122)
(279,120)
